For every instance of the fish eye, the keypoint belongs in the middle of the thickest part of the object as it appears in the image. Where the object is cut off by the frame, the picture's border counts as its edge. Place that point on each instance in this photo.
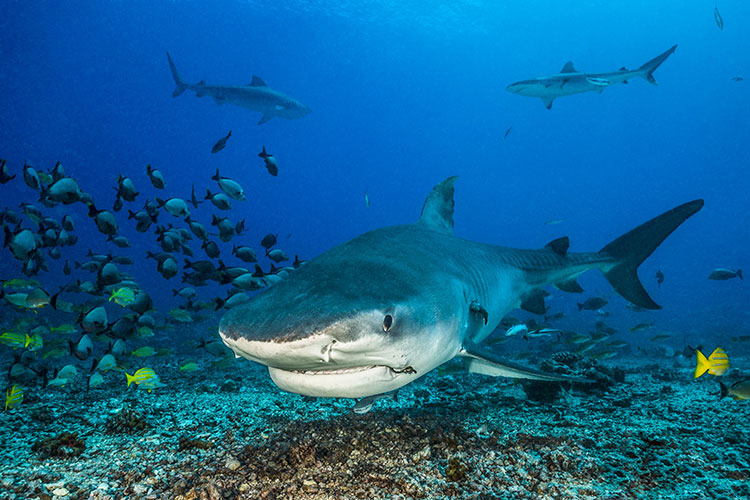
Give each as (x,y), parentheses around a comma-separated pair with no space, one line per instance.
(387,322)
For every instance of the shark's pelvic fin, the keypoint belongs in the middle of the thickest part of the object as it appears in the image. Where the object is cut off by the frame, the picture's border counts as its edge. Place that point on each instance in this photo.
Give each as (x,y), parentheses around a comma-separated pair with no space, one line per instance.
(548,102)
(177,80)
(486,362)
(533,301)
(649,67)
(632,248)
(437,212)
(570,286)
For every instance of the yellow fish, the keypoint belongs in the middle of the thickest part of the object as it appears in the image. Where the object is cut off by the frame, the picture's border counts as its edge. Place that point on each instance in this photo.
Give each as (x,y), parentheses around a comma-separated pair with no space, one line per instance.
(34,343)
(21,283)
(13,397)
(716,364)
(190,366)
(66,328)
(142,376)
(143,352)
(123,296)
(13,339)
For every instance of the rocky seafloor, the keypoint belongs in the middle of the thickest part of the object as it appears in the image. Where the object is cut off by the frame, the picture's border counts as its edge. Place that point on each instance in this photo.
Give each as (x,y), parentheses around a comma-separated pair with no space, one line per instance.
(229,433)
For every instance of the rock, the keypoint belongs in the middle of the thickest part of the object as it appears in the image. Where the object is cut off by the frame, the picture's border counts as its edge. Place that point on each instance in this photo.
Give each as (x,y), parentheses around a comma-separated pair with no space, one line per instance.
(61,492)
(139,489)
(232,463)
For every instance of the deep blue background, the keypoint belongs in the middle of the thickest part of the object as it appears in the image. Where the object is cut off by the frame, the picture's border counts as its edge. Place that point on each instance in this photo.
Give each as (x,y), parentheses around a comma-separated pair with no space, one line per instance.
(403,95)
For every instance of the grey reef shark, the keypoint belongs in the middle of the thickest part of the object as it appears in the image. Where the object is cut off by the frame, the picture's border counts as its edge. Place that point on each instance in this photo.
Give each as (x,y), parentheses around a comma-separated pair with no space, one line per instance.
(256,96)
(379,311)
(571,81)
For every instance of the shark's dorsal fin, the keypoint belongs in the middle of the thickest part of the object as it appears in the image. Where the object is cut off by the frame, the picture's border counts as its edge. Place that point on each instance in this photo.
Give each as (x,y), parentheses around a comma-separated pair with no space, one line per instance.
(623,68)
(569,68)
(257,82)
(201,83)
(437,212)
(559,246)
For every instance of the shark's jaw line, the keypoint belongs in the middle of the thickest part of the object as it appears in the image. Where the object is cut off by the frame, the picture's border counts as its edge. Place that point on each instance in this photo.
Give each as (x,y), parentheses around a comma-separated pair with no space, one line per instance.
(355,382)
(320,366)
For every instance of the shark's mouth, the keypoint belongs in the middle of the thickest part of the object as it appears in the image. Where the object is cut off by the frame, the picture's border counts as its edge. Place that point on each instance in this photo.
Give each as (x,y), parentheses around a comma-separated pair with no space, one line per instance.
(350,382)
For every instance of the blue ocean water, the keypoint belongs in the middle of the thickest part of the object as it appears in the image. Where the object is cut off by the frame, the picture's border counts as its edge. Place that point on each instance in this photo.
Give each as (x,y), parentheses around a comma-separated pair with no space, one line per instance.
(403,95)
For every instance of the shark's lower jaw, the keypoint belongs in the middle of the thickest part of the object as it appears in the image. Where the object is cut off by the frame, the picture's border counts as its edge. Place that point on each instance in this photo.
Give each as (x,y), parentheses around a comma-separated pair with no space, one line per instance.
(354,382)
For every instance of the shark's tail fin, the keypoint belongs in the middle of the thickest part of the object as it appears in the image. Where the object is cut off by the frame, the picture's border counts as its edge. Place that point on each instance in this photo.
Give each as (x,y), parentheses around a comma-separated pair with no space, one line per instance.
(632,248)
(181,86)
(648,68)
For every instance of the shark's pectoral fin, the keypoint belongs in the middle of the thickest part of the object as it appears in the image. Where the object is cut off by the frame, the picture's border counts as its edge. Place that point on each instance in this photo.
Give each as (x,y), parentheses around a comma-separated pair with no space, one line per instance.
(548,102)
(533,302)
(264,119)
(485,362)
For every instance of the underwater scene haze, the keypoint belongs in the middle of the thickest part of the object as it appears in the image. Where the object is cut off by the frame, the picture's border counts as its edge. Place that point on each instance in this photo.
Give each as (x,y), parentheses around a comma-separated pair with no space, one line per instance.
(321,250)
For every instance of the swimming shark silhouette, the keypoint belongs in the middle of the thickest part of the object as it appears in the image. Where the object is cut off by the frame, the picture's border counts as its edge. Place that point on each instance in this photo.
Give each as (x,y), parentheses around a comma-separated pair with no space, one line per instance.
(379,311)
(570,81)
(256,96)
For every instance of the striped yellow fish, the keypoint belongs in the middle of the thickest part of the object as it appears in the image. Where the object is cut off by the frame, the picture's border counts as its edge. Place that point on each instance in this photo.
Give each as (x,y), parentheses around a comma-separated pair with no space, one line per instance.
(716,364)
(13,397)
(142,376)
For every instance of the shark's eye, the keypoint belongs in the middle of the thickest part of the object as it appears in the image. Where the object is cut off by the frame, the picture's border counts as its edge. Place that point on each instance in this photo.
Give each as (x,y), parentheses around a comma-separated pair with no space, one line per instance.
(387,322)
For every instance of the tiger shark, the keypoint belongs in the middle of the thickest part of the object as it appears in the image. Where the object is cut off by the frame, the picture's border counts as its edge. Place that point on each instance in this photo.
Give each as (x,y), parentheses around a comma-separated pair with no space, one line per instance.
(256,96)
(385,308)
(571,81)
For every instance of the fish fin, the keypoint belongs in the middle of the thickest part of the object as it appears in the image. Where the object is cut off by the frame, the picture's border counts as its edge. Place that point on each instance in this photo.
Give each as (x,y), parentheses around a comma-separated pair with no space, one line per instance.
(264,119)
(548,102)
(739,273)
(257,82)
(559,246)
(625,82)
(218,100)
(129,378)
(437,211)
(702,364)
(485,362)
(180,85)
(724,390)
(623,68)
(533,302)
(632,248)
(647,70)
(570,286)
(568,68)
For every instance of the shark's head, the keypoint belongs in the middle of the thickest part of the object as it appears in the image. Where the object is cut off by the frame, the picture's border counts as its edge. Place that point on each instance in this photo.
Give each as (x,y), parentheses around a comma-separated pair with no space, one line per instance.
(290,108)
(349,323)
(525,87)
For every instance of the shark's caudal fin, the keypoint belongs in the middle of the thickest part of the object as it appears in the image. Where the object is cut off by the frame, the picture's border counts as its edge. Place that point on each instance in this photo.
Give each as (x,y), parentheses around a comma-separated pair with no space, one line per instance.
(649,67)
(177,80)
(632,248)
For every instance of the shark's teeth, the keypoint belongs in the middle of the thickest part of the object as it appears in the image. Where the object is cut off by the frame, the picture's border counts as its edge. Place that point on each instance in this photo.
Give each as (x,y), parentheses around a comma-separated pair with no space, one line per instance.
(340,371)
